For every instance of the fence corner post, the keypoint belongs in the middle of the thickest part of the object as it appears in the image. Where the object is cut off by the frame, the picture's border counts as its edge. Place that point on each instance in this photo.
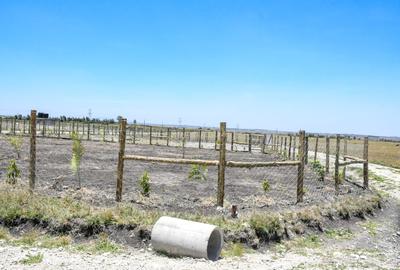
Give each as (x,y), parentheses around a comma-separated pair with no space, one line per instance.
(32,156)
(365,167)
(221,165)
(300,169)
(121,153)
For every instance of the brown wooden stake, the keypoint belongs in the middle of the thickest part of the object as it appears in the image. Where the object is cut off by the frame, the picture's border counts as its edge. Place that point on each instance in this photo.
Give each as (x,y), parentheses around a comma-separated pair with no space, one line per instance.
(365,167)
(300,168)
(290,147)
(337,180)
(316,149)
(221,165)
(32,156)
(327,156)
(1,124)
(121,153)
(294,147)
(24,122)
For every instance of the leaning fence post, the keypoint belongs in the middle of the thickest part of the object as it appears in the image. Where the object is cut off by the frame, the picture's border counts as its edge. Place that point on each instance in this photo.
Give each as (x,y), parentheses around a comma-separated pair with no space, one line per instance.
(327,156)
(337,180)
(365,157)
(300,168)
(221,165)
(121,153)
(32,158)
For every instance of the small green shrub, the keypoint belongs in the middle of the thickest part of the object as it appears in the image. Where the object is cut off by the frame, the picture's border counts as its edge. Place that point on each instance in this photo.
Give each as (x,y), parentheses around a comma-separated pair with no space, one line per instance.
(234,250)
(77,153)
(144,183)
(318,169)
(16,143)
(265,185)
(13,172)
(198,172)
(32,259)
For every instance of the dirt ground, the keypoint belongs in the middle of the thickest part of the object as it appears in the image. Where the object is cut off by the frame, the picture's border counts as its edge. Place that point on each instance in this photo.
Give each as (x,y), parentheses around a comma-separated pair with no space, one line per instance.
(171,189)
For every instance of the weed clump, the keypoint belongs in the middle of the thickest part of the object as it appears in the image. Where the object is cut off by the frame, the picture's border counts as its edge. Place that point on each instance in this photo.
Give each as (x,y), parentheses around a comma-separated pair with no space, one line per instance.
(77,153)
(198,172)
(13,172)
(265,185)
(16,143)
(318,169)
(267,226)
(32,259)
(144,183)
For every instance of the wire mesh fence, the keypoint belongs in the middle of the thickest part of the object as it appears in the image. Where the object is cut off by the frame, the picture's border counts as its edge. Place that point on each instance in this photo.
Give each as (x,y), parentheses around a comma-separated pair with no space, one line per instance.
(180,187)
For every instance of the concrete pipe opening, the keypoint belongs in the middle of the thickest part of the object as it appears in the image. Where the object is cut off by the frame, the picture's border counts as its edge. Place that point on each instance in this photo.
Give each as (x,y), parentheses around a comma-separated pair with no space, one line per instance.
(181,237)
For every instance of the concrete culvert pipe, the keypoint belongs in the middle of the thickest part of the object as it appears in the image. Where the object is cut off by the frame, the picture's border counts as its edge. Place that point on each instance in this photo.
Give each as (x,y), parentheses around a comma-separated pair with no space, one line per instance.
(181,237)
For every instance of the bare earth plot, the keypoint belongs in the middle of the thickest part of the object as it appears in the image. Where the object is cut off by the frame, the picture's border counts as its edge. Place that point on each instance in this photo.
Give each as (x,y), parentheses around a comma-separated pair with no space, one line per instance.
(372,243)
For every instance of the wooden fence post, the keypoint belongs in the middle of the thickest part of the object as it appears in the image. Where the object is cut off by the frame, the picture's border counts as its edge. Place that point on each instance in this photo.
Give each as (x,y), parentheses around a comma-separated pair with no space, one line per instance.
(344,156)
(14,120)
(88,131)
(168,135)
(285,148)
(250,137)
(365,167)
(281,146)
(294,147)
(337,180)
(59,128)
(232,140)
(290,147)
(199,138)
(221,165)
(151,135)
(327,156)
(264,143)
(316,148)
(300,168)
(23,127)
(44,127)
(306,151)
(183,142)
(121,153)
(134,132)
(1,124)
(32,156)
(216,140)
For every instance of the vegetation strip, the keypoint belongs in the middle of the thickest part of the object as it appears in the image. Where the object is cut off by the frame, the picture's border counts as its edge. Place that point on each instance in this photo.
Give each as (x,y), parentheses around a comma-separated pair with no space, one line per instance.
(67,216)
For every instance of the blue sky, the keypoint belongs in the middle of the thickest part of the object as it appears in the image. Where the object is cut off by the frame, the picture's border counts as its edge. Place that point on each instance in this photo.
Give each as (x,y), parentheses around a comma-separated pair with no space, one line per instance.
(322,66)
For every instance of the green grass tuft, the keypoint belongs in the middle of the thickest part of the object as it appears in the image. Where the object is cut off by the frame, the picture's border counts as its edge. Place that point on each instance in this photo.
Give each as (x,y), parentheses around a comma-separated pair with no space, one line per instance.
(32,259)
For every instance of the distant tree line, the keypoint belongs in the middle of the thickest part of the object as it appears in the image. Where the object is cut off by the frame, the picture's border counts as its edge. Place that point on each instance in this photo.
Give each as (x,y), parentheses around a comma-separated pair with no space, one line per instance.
(64,118)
